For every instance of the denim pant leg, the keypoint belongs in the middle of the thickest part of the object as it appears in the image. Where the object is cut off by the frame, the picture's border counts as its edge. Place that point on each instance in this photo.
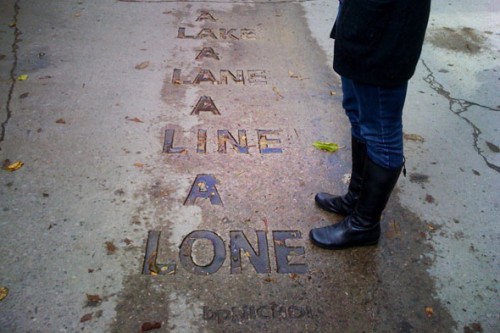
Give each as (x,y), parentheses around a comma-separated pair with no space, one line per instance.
(351,107)
(379,120)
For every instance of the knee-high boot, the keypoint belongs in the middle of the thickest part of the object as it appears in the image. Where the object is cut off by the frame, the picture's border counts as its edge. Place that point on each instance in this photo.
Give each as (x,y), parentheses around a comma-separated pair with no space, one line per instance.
(344,205)
(362,227)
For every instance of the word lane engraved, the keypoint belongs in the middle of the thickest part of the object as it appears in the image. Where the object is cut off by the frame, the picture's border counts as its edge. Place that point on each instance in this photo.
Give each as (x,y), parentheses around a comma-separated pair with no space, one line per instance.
(223,34)
(238,243)
(252,76)
(267,142)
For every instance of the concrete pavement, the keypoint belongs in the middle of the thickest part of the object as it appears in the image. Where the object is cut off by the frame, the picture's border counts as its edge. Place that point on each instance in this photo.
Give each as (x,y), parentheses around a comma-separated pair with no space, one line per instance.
(169,173)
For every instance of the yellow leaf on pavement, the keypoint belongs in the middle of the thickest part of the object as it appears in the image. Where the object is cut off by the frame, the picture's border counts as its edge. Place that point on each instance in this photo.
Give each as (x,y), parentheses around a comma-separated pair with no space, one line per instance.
(22,77)
(3,293)
(142,65)
(327,146)
(413,137)
(14,166)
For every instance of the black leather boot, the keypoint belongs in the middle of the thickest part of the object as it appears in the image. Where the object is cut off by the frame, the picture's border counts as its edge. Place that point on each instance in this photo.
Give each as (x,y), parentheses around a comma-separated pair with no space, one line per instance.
(362,227)
(344,205)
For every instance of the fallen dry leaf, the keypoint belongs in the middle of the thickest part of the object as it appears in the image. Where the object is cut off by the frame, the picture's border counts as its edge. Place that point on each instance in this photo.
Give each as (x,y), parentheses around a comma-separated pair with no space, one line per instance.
(202,186)
(139,165)
(86,317)
(473,328)
(4,291)
(7,165)
(60,121)
(94,298)
(432,227)
(293,75)
(429,198)
(135,119)
(150,326)
(110,247)
(277,92)
(429,311)
(142,65)
(413,137)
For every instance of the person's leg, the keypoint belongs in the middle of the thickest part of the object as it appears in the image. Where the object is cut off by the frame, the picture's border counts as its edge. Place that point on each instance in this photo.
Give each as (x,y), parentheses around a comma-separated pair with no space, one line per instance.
(344,205)
(381,126)
(351,106)
(380,122)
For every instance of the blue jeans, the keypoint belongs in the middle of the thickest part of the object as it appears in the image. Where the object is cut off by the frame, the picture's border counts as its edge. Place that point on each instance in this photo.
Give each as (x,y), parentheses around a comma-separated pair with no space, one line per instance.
(376,116)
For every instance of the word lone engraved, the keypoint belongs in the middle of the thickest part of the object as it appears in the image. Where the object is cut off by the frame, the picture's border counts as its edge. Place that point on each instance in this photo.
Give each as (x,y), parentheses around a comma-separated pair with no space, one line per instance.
(258,256)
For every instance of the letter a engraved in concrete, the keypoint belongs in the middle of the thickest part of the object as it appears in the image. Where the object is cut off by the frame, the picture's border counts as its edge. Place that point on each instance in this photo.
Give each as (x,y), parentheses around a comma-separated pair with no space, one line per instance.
(204,187)
(205,104)
(205,75)
(207,52)
(205,15)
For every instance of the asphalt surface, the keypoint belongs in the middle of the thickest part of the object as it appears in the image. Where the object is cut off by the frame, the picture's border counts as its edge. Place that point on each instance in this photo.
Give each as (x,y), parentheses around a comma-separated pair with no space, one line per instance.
(168,173)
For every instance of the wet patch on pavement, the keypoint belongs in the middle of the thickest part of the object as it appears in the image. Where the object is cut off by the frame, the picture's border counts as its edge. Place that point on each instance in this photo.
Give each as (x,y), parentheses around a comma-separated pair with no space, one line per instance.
(465,39)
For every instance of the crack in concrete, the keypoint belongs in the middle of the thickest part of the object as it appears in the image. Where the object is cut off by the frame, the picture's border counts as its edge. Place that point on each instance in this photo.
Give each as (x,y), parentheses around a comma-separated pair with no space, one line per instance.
(14,48)
(458,107)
